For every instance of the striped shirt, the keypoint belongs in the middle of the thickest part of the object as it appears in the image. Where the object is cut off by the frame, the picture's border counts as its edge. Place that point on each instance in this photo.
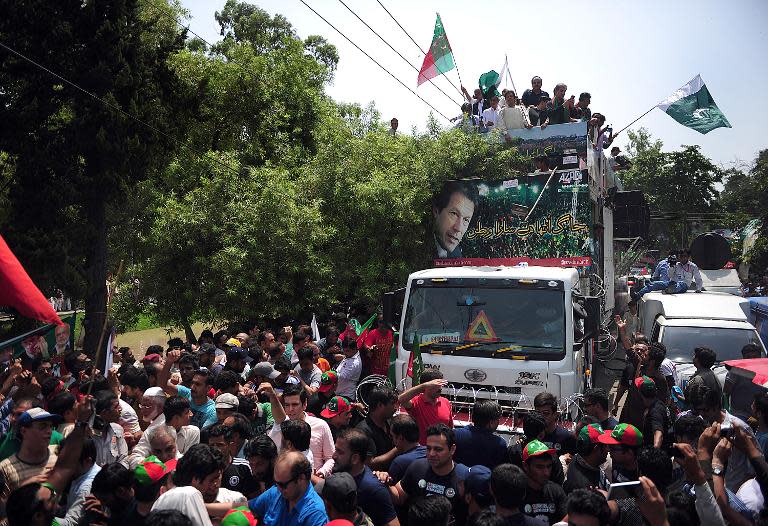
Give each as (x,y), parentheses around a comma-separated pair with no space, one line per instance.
(14,471)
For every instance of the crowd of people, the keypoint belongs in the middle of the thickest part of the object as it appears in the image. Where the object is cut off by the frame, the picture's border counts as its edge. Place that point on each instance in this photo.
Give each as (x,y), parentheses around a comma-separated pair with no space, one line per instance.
(267,427)
(490,111)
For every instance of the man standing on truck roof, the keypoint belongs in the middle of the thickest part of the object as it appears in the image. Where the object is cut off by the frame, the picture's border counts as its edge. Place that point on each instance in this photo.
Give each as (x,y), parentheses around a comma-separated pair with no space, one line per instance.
(452,210)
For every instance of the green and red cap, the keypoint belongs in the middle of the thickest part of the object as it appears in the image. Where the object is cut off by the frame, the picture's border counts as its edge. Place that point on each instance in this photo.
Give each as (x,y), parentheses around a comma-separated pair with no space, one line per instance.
(622,434)
(150,470)
(534,448)
(337,405)
(590,433)
(640,381)
(241,516)
(328,381)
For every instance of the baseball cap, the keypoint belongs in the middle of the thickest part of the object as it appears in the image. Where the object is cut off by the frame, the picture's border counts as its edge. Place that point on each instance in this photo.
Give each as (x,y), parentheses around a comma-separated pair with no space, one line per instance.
(233,342)
(478,484)
(236,353)
(534,448)
(328,381)
(240,516)
(340,490)
(336,406)
(155,392)
(227,401)
(37,414)
(150,470)
(646,386)
(264,369)
(622,434)
(590,433)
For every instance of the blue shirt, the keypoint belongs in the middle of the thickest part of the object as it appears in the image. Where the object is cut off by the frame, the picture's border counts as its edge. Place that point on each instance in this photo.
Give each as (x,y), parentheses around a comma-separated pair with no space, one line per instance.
(374,498)
(400,464)
(272,509)
(479,446)
(202,415)
(661,273)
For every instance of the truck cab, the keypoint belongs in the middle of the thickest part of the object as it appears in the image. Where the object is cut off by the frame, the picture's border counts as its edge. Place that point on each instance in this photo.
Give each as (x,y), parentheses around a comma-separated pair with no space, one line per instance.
(506,333)
(683,322)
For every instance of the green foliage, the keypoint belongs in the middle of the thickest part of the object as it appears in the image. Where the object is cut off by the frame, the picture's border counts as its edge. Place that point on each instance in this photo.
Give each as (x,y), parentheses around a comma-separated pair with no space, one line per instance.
(758,255)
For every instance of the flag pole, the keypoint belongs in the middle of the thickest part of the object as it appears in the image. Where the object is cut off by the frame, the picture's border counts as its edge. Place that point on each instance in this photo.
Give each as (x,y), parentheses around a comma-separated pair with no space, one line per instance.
(634,121)
(509,74)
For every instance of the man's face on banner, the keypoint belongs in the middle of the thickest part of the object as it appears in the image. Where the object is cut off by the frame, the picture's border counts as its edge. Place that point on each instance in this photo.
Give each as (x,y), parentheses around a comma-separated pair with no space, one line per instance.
(452,221)
(62,334)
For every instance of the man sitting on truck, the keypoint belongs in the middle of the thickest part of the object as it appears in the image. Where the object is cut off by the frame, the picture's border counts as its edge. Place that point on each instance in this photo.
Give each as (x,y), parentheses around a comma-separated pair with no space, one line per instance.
(684,273)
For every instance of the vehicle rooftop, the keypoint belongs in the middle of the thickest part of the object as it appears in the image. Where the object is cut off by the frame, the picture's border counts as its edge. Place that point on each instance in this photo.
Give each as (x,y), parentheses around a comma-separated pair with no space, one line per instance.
(500,272)
(705,305)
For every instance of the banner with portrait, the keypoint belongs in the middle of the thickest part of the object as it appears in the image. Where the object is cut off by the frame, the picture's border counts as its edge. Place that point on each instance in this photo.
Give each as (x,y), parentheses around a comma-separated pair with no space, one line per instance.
(46,342)
(539,219)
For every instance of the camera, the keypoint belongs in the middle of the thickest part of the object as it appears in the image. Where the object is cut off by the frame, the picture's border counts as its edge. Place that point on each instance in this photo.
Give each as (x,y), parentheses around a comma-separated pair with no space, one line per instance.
(727,431)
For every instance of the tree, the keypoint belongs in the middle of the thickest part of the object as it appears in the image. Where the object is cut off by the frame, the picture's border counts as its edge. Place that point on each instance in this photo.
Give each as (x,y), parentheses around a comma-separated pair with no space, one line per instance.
(74,157)
(758,255)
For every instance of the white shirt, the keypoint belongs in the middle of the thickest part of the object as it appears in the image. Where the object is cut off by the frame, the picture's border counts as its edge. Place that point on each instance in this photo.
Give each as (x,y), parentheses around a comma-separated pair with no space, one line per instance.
(320,442)
(511,118)
(668,368)
(188,501)
(128,417)
(110,446)
(490,116)
(687,273)
(349,371)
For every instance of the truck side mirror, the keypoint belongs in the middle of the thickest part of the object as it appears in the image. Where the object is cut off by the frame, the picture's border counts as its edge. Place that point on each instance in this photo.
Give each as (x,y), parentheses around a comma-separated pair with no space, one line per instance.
(592,321)
(392,306)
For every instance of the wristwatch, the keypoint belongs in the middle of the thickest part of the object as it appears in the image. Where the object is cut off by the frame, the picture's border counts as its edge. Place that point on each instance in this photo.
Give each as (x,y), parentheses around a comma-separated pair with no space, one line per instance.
(718,470)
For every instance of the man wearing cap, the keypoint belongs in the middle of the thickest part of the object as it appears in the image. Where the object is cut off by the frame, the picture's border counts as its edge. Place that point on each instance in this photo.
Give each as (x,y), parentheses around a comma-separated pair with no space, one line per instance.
(338,413)
(203,408)
(292,501)
(349,371)
(585,471)
(543,498)
(226,405)
(657,422)
(237,361)
(325,392)
(11,442)
(148,479)
(477,490)
(35,456)
(350,456)
(339,493)
(623,442)
(618,162)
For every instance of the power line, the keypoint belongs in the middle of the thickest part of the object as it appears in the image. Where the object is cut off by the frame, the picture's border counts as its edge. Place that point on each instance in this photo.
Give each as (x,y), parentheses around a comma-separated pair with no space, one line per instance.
(117,108)
(396,51)
(415,43)
(374,60)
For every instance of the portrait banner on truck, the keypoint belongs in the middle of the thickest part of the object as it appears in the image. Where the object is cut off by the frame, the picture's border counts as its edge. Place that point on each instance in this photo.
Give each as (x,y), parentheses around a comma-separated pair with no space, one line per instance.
(540,219)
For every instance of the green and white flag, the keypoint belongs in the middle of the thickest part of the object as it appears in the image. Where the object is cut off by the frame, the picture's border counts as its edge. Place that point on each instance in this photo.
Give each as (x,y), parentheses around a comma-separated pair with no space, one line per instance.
(693,106)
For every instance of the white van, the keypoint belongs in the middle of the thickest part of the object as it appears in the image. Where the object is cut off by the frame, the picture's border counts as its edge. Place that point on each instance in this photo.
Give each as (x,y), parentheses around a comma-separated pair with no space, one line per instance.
(683,322)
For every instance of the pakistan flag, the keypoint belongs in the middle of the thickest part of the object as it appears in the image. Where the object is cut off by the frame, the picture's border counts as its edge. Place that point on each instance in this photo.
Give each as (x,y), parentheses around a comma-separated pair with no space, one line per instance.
(693,106)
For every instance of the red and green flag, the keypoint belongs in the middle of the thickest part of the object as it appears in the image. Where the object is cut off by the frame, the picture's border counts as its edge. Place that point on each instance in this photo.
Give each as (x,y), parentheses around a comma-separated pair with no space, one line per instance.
(439,58)
(415,363)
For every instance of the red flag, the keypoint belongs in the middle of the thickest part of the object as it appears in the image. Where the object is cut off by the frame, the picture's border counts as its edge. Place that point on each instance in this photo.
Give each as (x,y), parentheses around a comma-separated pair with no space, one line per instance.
(18,291)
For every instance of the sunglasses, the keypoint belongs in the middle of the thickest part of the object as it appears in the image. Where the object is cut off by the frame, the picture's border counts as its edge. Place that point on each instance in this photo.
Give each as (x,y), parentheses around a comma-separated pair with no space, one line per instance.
(284,485)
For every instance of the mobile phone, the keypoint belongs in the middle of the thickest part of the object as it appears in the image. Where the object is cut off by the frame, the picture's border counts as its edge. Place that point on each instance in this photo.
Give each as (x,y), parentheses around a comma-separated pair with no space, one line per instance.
(625,490)
(727,431)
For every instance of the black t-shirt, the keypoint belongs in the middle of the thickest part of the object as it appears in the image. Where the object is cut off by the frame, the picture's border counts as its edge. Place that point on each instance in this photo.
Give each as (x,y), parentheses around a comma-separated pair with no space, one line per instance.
(581,475)
(515,453)
(657,418)
(536,117)
(532,99)
(548,503)
(520,519)
(562,440)
(419,481)
(381,439)
(373,498)
(237,477)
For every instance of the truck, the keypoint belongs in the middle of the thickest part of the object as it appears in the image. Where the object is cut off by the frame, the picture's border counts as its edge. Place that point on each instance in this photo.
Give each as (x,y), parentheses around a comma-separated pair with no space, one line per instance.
(683,322)
(525,319)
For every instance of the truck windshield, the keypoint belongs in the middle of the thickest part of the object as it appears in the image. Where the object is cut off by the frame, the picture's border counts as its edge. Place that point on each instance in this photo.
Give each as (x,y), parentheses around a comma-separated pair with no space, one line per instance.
(727,343)
(528,322)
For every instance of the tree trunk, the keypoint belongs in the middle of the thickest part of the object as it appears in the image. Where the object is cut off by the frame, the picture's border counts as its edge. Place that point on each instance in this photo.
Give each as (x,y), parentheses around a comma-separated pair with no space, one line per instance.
(96,269)
(191,338)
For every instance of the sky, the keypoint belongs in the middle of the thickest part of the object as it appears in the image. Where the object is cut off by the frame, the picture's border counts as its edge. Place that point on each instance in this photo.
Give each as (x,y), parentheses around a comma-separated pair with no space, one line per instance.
(629,55)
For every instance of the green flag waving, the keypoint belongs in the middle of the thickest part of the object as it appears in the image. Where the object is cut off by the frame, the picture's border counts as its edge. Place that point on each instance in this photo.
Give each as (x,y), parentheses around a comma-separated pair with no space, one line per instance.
(694,107)
(488,83)
(439,58)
